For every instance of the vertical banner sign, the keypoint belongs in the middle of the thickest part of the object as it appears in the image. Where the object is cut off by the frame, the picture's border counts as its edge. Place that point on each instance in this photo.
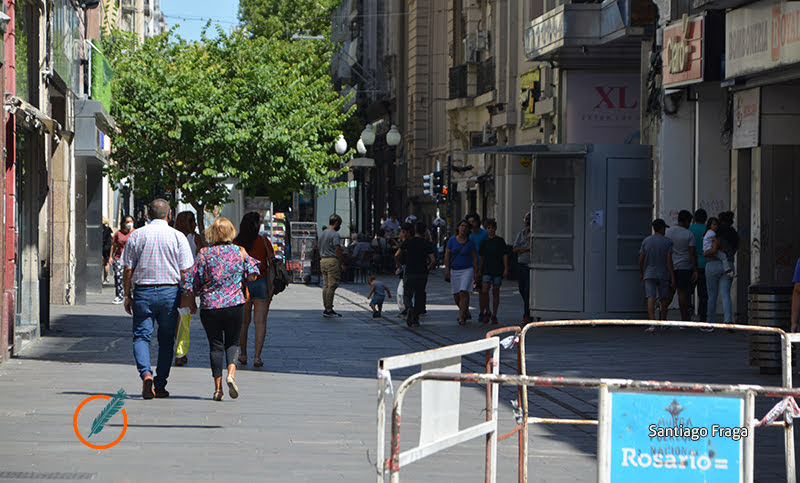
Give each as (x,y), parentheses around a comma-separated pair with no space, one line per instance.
(602,108)
(664,438)
(746,118)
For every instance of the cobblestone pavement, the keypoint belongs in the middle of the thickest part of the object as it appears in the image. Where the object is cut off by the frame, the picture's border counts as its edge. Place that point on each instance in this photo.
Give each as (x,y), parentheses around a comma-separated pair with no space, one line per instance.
(309,413)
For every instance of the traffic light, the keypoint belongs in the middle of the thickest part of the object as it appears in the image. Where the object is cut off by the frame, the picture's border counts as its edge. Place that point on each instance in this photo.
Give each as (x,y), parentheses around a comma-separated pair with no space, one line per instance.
(428,185)
(438,183)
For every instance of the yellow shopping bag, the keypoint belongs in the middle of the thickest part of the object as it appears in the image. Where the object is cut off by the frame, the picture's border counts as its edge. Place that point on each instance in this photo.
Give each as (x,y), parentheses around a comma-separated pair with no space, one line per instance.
(182,347)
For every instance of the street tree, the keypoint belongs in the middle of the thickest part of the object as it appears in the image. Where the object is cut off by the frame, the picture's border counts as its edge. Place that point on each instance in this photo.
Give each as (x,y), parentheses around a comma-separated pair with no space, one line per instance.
(283,18)
(193,114)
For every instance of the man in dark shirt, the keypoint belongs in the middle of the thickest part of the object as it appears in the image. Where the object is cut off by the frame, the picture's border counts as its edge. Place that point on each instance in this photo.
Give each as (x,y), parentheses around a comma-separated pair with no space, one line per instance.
(416,254)
(494,267)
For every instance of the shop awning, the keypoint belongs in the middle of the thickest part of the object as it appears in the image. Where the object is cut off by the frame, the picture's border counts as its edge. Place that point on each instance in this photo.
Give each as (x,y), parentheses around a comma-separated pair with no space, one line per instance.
(35,119)
(534,149)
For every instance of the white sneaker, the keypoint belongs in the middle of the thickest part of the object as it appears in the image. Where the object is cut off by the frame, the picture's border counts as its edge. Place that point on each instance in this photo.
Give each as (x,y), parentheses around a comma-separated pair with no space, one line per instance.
(117,300)
(652,328)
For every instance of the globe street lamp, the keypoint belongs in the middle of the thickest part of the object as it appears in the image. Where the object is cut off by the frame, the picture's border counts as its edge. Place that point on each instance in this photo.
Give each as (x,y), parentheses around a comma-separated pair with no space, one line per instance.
(367,138)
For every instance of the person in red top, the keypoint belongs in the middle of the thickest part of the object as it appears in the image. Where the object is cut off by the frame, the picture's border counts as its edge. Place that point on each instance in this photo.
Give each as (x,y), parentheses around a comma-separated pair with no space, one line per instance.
(117,245)
(260,289)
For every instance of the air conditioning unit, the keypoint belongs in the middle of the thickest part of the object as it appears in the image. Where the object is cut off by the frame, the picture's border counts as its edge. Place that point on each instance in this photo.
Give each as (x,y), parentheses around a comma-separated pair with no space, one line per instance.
(471,53)
(482,42)
(475,139)
(488,135)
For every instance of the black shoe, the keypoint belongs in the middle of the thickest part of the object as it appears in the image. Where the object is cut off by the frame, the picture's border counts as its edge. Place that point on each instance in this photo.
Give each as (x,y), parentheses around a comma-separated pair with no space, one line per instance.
(328,313)
(335,314)
(410,319)
(376,315)
(403,313)
(181,361)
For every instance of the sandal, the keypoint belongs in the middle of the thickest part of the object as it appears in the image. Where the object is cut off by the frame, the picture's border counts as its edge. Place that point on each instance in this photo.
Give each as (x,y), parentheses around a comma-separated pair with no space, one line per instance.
(461,321)
(257,362)
(218,395)
(243,361)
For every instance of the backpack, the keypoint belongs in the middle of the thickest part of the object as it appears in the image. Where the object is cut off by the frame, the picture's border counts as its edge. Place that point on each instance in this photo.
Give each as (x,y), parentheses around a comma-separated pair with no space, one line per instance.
(281,278)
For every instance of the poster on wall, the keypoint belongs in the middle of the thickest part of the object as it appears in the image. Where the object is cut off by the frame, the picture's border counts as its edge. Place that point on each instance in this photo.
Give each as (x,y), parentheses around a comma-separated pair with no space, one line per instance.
(746,109)
(602,108)
(529,82)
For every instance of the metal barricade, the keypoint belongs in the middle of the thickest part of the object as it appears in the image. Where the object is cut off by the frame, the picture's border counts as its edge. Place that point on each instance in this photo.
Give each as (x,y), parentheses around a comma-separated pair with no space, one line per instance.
(786,389)
(746,393)
(438,427)
(507,343)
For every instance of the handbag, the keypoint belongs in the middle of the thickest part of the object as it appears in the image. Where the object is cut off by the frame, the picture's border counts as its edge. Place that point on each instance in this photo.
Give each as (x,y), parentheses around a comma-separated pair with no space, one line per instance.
(245,291)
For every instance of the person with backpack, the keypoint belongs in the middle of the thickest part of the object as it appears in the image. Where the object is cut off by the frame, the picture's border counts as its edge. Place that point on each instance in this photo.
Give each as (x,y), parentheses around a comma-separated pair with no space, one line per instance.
(256,308)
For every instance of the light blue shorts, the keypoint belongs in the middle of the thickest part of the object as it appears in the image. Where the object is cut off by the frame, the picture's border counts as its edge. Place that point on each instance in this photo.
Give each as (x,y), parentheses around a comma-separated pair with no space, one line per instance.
(376,300)
(496,281)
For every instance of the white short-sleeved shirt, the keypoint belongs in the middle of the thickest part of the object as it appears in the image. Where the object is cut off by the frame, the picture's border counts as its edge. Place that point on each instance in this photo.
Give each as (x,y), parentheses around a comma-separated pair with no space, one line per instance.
(157,253)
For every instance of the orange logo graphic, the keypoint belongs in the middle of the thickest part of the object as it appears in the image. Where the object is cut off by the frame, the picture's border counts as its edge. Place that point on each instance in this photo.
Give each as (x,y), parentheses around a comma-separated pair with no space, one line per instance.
(78,433)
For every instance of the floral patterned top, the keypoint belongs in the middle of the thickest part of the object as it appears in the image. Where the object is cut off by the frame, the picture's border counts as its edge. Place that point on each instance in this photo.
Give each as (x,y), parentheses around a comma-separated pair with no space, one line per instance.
(216,276)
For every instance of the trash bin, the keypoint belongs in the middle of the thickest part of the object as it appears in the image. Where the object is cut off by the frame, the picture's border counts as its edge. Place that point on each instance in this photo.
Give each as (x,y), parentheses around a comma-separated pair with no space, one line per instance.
(768,306)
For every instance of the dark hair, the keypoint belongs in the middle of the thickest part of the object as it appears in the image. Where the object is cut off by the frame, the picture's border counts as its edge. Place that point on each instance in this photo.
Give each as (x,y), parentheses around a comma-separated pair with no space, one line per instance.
(726,217)
(420,227)
(465,220)
(473,215)
(124,219)
(159,209)
(380,233)
(248,230)
(334,219)
(684,215)
(490,222)
(710,221)
(407,227)
(700,215)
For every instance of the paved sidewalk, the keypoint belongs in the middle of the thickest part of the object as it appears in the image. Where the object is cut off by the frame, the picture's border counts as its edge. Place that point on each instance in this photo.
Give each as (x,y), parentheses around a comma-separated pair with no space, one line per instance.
(309,413)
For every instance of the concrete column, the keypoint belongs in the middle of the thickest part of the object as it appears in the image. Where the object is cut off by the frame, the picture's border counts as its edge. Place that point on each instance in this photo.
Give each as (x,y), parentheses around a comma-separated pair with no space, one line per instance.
(740,205)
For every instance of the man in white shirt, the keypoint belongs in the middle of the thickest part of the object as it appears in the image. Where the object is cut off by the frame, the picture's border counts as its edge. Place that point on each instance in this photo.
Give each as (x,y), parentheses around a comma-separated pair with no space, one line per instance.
(155,259)
(684,260)
(391,226)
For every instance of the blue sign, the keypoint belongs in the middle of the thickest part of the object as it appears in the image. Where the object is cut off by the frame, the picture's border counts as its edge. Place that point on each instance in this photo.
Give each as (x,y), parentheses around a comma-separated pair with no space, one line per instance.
(657,437)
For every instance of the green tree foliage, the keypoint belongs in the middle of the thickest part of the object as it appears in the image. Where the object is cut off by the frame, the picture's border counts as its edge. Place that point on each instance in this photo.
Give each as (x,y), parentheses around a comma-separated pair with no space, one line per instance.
(282,18)
(249,108)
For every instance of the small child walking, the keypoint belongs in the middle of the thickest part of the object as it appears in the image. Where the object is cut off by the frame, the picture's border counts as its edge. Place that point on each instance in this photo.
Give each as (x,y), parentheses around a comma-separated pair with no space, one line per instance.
(376,295)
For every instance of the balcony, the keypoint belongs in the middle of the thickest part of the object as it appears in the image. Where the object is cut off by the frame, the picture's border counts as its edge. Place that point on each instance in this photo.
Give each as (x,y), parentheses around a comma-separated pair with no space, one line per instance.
(583,35)
(485,76)
(458,81)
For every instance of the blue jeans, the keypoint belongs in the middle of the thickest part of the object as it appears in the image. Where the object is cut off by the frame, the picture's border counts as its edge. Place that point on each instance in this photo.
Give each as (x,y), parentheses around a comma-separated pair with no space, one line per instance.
(155,305)
(717,281)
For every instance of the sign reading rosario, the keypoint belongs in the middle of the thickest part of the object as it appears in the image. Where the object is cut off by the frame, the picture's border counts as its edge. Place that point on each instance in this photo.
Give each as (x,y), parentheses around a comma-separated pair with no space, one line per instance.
(761,36)
(657,437)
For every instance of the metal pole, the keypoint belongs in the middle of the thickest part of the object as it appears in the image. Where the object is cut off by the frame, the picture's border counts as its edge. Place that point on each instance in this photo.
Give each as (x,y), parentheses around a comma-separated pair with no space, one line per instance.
(788,432)
(450,193)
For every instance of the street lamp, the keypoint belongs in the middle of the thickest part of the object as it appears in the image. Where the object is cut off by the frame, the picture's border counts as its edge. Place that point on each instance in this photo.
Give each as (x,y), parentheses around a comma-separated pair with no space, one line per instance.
(368,135)
(393,137)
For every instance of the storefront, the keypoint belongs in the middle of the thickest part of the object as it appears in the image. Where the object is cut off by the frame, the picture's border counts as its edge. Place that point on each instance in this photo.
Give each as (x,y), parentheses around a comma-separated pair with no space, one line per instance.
(763,69)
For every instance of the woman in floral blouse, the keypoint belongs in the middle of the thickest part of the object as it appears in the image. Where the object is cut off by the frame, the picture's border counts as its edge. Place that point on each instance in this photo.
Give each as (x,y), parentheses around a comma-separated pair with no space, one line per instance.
(217,278)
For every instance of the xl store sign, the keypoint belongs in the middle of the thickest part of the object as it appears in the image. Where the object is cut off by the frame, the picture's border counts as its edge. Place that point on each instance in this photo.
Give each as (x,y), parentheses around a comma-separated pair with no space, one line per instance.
(761,36)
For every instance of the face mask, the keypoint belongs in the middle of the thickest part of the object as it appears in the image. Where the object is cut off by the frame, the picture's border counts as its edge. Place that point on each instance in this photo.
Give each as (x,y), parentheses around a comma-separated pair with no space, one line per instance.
(129,225)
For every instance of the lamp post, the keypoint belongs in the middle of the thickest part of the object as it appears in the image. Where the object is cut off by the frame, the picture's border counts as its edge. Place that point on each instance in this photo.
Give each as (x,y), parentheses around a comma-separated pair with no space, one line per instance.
(367,138)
